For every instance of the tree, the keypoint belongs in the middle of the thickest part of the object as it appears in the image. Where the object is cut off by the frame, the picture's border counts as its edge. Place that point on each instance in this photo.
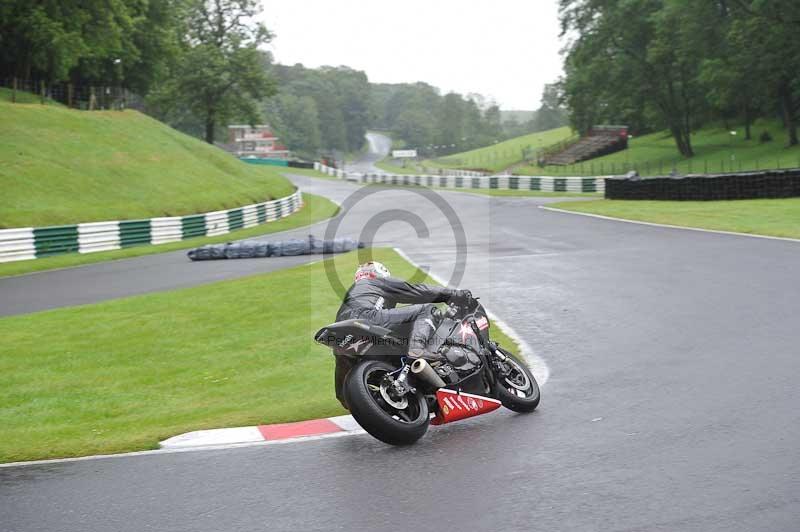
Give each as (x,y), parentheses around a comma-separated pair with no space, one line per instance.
(220,74)
(640,58)
(551,114)
(296,121)
(765,32)
(341,98)
(104,42)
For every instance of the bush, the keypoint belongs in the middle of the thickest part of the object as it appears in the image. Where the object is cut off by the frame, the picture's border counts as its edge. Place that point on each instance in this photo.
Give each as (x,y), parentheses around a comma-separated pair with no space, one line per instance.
(765,137)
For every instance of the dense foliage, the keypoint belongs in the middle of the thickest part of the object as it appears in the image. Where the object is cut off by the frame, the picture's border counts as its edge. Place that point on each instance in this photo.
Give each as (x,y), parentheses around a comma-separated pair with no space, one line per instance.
(218,74)
(199,66)
(126,42)
(328,110)
(196,60)
(319,109)
(678,64)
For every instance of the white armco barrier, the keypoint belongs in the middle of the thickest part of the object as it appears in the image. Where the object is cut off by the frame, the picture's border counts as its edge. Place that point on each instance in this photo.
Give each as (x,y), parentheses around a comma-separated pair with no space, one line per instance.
(217,223)
(163,230)
(17,244)
(98,236)
(249,215)
(31,242)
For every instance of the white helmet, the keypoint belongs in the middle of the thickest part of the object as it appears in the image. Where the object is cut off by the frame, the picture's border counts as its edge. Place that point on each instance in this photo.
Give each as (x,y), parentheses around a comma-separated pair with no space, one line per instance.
(372,270)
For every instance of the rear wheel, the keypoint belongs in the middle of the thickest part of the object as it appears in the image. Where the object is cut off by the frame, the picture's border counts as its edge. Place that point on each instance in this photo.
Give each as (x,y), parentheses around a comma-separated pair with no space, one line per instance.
(391,419)
(517,389)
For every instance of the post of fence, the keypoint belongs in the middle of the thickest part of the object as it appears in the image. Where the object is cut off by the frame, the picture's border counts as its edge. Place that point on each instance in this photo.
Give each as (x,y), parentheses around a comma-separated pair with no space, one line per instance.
(14,90)
(41,92)
(92,98)
(69,95)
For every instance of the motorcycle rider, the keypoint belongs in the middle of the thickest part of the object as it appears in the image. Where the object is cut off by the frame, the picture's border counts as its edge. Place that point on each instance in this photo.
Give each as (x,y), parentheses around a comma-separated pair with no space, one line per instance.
(373,298)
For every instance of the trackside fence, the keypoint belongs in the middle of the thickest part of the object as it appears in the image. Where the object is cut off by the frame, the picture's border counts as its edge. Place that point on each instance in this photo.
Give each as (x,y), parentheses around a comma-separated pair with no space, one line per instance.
(35,242)
(536,183)
(768,184)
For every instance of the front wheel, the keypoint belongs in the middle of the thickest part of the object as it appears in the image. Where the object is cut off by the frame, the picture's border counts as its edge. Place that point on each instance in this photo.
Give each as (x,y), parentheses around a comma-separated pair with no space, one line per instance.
(517,389)
(393,420)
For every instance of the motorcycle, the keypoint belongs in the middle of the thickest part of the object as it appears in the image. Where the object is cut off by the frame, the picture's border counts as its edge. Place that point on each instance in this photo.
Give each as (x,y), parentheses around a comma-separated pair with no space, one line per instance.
(395,399)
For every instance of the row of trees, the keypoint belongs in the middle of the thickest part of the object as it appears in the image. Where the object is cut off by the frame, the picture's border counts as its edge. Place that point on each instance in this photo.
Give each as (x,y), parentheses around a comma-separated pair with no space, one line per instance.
(324,109)
(330,108)
(679,64)
(420,115)
(198,65)
(439,124)
(196,61)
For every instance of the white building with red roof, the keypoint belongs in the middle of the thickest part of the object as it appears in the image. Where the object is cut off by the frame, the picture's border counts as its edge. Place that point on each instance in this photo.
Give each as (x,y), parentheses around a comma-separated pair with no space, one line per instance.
(256,142)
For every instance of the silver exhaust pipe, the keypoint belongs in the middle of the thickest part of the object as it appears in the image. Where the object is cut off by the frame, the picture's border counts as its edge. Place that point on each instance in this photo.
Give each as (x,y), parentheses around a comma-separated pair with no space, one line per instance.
(422,370)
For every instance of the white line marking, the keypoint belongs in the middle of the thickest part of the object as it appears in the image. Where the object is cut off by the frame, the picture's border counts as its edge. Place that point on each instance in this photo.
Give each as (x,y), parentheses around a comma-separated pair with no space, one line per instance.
(537,364)
(183,449)
(613,219)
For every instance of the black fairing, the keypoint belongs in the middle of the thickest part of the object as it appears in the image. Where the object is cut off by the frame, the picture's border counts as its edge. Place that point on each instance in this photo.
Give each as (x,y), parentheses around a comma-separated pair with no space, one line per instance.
(356,338)
(456,339)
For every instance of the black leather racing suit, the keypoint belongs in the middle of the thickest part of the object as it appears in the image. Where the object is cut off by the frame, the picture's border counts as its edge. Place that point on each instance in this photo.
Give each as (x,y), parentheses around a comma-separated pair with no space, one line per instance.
(374,300)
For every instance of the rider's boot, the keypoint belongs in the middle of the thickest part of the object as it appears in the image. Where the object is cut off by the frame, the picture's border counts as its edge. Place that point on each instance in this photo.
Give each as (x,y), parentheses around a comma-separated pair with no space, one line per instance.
(419,342)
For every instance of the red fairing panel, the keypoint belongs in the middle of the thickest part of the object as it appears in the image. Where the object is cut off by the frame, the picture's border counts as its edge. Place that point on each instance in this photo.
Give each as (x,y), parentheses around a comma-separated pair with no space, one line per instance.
(454,406)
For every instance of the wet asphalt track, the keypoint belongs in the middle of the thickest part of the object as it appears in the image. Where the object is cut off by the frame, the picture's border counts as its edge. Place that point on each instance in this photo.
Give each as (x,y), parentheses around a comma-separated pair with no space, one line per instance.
(671,405)
(379,147)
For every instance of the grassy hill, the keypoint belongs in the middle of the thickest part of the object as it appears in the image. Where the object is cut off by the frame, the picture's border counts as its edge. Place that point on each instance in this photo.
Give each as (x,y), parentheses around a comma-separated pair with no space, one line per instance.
(503,154)
(60,166)
(716,150)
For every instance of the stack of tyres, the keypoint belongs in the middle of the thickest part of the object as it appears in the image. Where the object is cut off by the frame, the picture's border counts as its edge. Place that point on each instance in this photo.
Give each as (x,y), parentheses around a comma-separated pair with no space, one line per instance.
(248,249)
(742,185)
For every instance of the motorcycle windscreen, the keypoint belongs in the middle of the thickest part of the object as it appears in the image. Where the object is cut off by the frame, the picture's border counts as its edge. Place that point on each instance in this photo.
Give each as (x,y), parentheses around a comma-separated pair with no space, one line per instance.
(454,406)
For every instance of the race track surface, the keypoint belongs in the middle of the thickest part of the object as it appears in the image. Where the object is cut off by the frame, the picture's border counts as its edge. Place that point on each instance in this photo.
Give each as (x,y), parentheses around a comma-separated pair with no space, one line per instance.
(378,147)
(671,405)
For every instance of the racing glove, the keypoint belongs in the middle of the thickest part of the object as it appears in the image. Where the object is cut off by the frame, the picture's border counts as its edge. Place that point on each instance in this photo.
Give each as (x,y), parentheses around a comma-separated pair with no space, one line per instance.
(462,297)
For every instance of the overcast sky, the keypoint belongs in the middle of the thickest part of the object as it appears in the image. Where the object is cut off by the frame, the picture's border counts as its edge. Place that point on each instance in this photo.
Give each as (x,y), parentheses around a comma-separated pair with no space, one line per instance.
(504,49)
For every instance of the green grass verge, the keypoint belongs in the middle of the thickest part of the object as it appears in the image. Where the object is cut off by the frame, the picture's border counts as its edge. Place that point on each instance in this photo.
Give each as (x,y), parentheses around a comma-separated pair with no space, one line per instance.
(773,217)
(716,151)
(62,166)
(122,375)
(503,154)
(316,209)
